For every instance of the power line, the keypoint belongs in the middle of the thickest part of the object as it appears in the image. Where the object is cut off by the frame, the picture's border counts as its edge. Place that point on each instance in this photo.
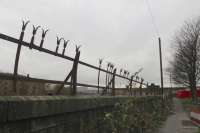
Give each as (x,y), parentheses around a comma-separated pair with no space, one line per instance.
(152,18)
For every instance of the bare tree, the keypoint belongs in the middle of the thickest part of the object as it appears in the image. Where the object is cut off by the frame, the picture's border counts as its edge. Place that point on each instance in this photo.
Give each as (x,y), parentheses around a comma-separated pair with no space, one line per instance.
(185,66)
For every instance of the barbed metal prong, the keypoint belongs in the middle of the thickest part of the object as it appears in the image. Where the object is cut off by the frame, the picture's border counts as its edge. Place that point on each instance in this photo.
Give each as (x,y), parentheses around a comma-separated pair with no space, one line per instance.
(44,32)
(78,48)
(64,46)
(24,24)
(33,36)
(58,43)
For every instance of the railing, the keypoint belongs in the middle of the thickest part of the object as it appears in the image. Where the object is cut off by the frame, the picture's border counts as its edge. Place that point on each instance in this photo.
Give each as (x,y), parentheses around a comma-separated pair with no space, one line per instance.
(111,71)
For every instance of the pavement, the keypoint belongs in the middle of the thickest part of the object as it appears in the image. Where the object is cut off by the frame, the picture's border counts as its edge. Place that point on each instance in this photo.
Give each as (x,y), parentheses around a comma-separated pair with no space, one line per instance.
(178,122)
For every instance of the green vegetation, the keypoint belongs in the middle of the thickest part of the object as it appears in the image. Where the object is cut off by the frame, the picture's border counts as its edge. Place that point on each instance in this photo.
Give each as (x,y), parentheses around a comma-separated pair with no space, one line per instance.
(188,104)
(143,115)
(198,130)
(187,101)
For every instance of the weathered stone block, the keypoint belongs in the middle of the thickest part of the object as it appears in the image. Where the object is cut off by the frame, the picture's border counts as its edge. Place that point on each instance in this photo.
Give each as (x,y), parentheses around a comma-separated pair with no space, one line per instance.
(3,109)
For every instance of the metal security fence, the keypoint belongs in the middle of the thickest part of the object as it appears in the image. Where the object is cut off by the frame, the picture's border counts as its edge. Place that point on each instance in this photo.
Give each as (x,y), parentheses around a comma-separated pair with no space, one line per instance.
(71,78)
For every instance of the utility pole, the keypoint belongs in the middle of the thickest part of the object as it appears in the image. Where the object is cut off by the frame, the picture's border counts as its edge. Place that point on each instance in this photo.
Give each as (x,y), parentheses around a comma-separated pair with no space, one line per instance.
(161,69)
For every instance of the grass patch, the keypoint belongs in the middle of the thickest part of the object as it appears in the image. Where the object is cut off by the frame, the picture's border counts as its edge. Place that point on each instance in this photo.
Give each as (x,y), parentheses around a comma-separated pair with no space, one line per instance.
(198,130)
(188,105)
(187,101)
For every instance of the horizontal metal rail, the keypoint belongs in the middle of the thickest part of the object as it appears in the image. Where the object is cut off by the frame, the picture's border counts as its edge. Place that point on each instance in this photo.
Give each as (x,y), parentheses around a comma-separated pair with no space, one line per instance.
(16,41)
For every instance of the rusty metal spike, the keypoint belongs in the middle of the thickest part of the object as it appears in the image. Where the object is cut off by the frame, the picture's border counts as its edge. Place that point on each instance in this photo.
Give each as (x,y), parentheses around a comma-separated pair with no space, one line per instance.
(65,43)
(24,24)
(59,39)
(77,48)
(127,74)
(58,43)
(44,32)
(111,66)
(121,70)
(35,29)
(100,61)
(108,64)
(33,36)
(64,46)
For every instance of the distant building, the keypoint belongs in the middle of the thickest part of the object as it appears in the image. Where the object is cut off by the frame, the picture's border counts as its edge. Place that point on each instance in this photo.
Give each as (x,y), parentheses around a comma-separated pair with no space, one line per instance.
(23,87)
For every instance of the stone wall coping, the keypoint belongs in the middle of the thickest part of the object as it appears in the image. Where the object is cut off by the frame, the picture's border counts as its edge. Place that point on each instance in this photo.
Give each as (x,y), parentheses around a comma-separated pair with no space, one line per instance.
(14,108)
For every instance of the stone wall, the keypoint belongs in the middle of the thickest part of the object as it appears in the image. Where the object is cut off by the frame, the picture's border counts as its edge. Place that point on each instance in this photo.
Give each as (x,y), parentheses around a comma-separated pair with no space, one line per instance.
(23,88)
(54,114)
(62,114)
(135,91)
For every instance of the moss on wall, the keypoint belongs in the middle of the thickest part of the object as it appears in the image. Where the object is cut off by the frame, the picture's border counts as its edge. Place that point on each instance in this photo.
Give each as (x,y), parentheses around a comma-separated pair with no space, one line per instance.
(60,114)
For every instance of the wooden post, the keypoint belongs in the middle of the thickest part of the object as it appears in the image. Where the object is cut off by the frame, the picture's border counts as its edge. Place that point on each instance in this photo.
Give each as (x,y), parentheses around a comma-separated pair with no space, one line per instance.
(18,55)
(141,86)
(74,74)
(44,32)
(33,36)
(100,63)
(113,82)
(130,85)
(107,81)
(135,90)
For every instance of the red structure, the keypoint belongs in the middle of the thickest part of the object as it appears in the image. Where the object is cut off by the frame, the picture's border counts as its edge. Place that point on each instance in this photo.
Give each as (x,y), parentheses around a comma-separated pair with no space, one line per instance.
(186,93)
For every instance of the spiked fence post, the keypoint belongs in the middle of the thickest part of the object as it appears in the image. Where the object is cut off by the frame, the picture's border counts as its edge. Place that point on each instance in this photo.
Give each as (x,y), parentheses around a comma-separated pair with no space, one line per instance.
(147,90)
(128,74)
(100,63)
(71,74)
(58,43)
(74,72)
(44,32)
(152,91)
(121,71)
(155,92)
(108,66)
(113,82)
(109,75)
(33,36)
(135,90)
(64,46)
(125,72)
(130,85)
(141,86)
(108,78)
(18,55)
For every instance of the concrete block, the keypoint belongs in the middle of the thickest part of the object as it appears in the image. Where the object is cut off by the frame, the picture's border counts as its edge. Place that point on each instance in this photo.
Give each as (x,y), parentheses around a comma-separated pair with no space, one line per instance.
(3,109)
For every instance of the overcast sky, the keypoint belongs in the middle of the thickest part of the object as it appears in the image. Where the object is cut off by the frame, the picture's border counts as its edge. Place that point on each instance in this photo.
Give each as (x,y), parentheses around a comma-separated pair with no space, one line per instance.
(120,31)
